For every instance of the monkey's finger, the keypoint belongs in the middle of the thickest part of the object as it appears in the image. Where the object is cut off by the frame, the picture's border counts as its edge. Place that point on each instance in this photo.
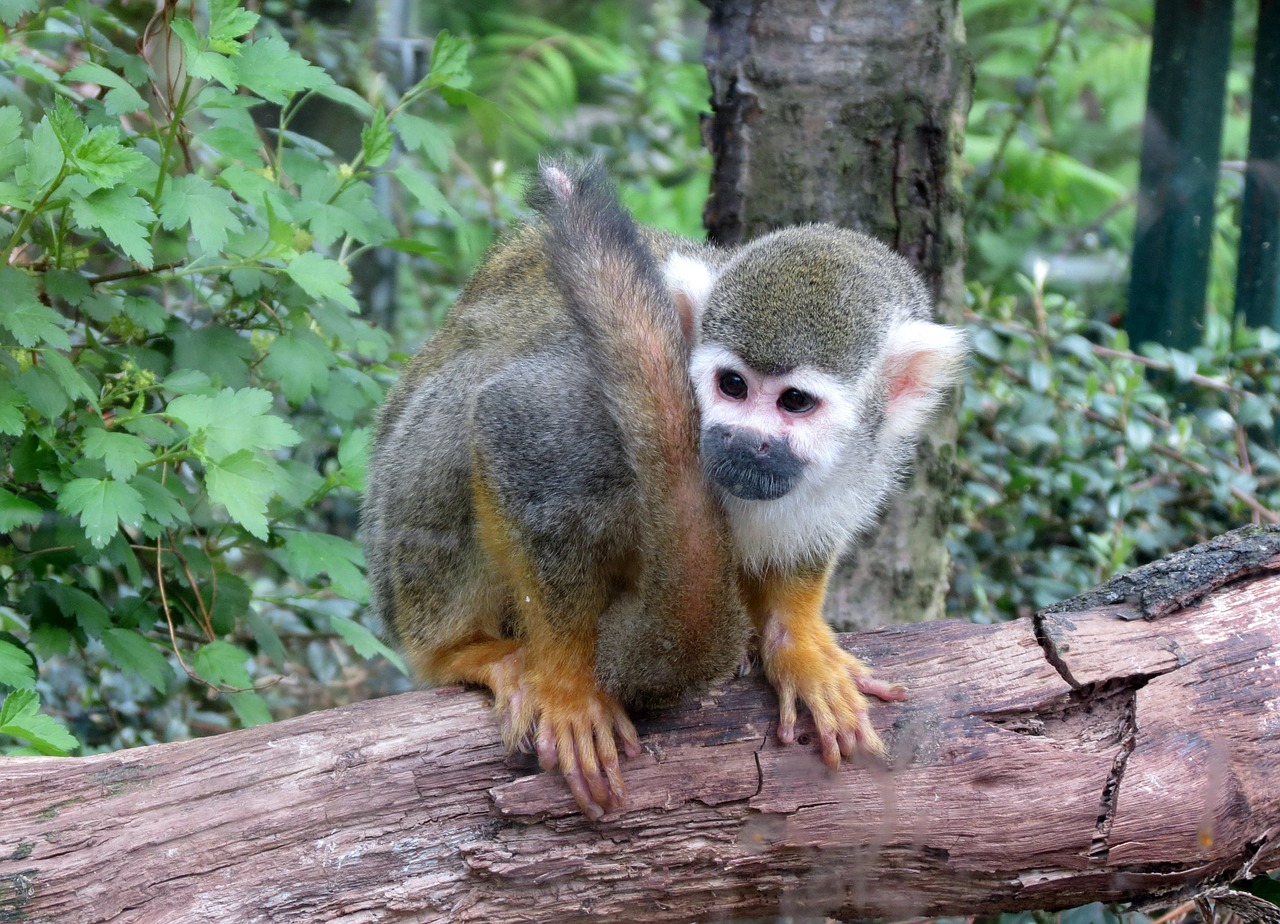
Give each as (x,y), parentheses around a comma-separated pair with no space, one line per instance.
(548,755)
(786,712)
(610,771)
(869,740)
(847,738)
(587,759)
(824,721)
(574,777)
(851,712)
(867,683)
(881,689)
(626,732)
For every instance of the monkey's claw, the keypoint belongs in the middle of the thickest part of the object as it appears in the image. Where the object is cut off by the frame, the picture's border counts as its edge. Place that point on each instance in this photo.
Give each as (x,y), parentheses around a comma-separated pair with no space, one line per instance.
(576,726)
(832,683)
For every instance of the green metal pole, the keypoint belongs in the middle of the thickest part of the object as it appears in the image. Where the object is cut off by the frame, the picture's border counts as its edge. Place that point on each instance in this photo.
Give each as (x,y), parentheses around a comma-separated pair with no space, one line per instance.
(1258,275)
(1181,141)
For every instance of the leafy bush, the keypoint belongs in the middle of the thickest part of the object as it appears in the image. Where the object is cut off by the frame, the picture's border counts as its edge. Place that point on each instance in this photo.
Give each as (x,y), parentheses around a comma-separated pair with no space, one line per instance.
(1080,459)
(185,382)
(1054,136)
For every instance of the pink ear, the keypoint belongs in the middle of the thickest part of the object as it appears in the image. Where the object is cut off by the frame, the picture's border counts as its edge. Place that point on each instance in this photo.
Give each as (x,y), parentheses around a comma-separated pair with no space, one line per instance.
(922,362)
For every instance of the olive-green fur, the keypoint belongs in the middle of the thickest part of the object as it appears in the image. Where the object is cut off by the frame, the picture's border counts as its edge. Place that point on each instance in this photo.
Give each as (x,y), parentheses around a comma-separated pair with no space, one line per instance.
(812,295)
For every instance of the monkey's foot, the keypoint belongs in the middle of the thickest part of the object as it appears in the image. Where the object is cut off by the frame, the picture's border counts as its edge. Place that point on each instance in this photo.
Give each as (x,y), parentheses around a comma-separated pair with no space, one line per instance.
(831,682)
(575,726)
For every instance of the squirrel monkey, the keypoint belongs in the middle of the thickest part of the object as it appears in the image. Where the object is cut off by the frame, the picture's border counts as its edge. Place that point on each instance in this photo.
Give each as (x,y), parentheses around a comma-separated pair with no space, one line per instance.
(626,453)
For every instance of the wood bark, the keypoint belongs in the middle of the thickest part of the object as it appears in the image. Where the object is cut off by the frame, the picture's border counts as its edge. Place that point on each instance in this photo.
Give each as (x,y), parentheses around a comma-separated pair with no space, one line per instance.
(853,113)
(1123,745)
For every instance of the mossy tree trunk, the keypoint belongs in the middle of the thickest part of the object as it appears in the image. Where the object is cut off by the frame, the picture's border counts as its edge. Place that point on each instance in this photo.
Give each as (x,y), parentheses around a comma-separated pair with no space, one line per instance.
(853,113)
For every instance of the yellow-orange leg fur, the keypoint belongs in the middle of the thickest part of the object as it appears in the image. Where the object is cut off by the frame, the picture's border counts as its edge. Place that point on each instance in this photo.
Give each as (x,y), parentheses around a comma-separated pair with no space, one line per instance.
(546,686)
(803,661)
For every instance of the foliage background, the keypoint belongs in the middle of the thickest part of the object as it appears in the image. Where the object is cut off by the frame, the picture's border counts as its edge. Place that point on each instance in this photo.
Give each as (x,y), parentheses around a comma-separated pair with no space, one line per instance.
(220,246)
(224,233)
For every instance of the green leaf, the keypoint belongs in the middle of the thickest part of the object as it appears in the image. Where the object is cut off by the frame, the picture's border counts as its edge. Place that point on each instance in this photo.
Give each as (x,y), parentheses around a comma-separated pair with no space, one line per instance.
(134,653)
(221,353)
(120,452)
(210,210)
(185,381)
(428,196)
(242,483)
(12,420)
(418,134)
(274,71)
(29,320)
(13,10)
(300,361)
(223,663)
(122,215)
(159,503)
(70,378)
(312,553)
(17,669)
(364,642)
(17,511)
(354,450)
(103,160)
(120,98)
(449,61)
(45,158)
(67,125)
(321,277)
(20,717)
(43,391)
(375,139)
(489,119)
(1139,435)
(250,708)
(264,633)
(227,22)
(101,505)
(231,421)
(202,63)
(347,97)
(145,312)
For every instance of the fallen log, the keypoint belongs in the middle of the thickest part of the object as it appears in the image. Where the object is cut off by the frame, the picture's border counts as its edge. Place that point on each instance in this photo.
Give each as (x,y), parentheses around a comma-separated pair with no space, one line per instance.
(1121,745)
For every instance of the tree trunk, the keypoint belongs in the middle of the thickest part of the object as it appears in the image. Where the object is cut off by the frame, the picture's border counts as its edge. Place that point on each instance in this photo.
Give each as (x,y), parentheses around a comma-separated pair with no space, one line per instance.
(853,113)
(1124,745)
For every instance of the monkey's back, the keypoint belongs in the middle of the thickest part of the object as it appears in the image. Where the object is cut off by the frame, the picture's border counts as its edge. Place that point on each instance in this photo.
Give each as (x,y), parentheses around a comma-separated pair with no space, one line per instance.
(509,332)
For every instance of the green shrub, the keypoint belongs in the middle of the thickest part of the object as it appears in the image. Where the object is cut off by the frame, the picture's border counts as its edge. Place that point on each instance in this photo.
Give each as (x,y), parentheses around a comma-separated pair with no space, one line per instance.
(1080,459)
(186,384)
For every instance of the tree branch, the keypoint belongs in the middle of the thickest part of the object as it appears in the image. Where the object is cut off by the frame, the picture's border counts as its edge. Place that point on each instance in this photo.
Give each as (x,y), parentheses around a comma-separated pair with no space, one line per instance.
(1125,745)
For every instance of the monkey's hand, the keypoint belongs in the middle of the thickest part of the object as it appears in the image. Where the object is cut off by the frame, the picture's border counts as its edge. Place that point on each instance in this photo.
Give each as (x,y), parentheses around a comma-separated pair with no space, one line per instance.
(803,661)
(573,724)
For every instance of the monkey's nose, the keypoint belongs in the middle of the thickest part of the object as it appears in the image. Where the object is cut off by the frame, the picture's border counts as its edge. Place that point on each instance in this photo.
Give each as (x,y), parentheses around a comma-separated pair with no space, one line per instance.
(749,440)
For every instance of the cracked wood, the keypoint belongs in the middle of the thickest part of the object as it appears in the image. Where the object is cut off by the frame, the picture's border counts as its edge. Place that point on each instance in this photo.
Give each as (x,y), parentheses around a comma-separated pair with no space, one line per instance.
(1100,752)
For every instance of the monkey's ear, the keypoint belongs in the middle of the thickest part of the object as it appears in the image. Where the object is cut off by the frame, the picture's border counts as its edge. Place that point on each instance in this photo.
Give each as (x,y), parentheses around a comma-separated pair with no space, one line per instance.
(922,362)
(690,282)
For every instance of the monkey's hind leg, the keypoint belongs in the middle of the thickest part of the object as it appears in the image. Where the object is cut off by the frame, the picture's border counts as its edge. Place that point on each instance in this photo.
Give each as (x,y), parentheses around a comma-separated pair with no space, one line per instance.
(555,697)
(803,660)
(551,491)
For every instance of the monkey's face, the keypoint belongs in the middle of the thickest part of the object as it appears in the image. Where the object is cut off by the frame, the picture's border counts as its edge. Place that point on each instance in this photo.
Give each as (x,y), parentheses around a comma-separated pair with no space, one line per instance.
(763,434)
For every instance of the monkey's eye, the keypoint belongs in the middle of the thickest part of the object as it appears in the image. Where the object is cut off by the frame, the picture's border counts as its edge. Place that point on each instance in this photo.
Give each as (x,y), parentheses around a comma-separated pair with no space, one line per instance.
(733,385)
(795,401)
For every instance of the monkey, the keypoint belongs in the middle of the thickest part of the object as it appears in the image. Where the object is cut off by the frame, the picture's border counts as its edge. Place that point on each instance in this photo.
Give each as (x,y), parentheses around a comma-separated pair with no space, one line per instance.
(626,455)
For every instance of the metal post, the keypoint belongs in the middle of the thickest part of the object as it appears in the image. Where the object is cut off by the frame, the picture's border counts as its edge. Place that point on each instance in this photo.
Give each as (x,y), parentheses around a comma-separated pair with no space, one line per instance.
(1258,278)
(1181,141)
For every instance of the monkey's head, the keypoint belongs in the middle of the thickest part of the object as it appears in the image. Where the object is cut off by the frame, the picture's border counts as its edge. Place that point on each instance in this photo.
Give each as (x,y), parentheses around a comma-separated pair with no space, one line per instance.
(813,359)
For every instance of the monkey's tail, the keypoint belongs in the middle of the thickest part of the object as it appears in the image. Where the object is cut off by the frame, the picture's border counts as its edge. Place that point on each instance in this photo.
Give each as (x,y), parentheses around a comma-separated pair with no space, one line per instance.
(692,621)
